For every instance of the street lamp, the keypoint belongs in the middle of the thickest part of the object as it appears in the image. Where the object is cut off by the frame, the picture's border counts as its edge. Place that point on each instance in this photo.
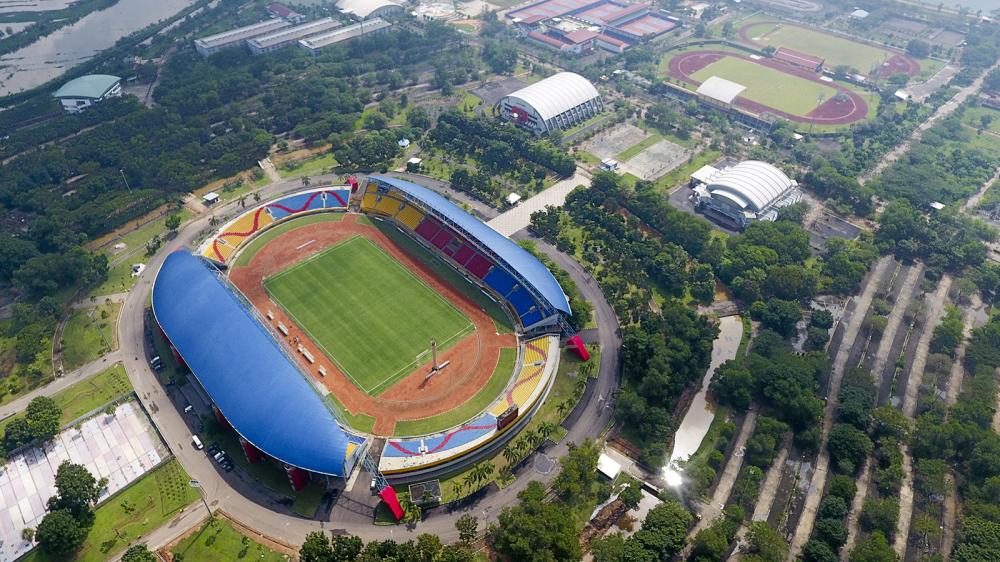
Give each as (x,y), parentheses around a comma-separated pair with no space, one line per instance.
(122,172)
(197,484)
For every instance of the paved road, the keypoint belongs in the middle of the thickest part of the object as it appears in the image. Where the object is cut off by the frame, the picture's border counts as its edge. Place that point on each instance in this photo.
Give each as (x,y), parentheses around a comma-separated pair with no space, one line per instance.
(67,380)
(945,110)
(519,217)
(253,505)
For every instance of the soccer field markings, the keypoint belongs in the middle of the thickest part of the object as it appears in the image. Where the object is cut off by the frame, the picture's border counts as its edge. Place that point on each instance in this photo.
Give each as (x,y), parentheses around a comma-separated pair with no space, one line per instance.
(469,328)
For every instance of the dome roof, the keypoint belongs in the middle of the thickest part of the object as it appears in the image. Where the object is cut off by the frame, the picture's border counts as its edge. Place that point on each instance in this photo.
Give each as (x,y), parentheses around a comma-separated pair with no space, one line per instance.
(557,94)
(752,184)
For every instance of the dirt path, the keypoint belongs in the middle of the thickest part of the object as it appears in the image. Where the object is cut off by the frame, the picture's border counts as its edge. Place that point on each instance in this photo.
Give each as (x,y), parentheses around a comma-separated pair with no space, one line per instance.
(935,308)
(954,387)
(903,298)
(864,480)
(996,414)
(974,200)
(269,170)
(725,486)
(818,482)
(768,491)
(945,110)
(957,368)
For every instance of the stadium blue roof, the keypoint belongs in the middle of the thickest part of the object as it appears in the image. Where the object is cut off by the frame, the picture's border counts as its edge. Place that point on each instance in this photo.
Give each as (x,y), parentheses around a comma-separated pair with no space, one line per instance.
(262,393)
(517,258)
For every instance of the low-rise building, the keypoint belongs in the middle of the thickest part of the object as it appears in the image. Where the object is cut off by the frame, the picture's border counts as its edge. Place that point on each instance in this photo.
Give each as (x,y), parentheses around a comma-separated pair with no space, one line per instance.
(212,44)
(80,93)
(284,37)
(316,43)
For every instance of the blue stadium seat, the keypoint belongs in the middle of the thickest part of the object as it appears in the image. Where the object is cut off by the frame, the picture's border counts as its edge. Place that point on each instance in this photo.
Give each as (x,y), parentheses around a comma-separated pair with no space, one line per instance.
(521,300)
(531,317)
(500,281)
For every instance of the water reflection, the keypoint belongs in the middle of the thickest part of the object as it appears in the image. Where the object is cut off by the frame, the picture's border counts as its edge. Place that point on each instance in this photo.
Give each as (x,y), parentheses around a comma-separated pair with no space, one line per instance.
(699,416)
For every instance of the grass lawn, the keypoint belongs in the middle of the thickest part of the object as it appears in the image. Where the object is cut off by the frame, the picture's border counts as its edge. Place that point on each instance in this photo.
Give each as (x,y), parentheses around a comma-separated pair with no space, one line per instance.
(309,167)
(500,319)
(563,391)
(768,86)
(469,103)
(972,116)
(638,147)
(361,422)
(219,540)
(119,279)
(486,395)
(374,318)
(250,250)
(87,395)
(683,172)
(267,472)
(145,505)
(833,49)
(89,333)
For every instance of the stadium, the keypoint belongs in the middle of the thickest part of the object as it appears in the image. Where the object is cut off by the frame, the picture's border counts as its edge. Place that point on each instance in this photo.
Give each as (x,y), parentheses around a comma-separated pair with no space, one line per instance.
(375,324)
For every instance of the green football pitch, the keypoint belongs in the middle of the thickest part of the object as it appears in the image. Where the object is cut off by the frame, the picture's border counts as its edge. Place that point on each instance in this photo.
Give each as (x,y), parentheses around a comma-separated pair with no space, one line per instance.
(768,86)
(834,50)
(372,317)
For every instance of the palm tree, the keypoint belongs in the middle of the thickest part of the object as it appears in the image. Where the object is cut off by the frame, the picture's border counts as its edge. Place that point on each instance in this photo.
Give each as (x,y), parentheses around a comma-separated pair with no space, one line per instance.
(562,407)
(545,429)
(484,470)
(243,201)
(256,197)
(510,455)
(470,479)
(411,512)
(580,385)
(306,180)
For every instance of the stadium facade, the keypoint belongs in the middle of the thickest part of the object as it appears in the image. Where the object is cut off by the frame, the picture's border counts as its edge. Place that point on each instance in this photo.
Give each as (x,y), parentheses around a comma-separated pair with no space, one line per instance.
(259,389)
(558,102)
(746,192)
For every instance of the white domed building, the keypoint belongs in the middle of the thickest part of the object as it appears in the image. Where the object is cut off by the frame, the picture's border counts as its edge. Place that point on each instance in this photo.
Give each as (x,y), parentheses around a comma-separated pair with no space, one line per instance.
(560,101)
(749,191)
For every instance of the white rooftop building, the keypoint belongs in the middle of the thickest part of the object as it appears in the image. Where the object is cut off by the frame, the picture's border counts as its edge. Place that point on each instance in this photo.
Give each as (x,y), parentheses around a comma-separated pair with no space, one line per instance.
(316,43)
(235,37)
(284,37)
(560,101)
(747,192)
(720,90)
(364,9)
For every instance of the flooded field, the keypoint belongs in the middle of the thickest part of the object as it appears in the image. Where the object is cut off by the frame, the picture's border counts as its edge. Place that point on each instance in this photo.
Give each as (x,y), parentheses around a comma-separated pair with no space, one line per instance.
(51,56)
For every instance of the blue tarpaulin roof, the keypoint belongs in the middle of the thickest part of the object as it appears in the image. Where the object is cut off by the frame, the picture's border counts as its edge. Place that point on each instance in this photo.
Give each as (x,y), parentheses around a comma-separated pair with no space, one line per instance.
(516,257)
(244,370)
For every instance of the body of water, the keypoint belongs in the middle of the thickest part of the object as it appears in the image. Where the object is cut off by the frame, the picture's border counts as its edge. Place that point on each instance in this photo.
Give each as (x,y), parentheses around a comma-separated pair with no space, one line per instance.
(699,416)
(54,54)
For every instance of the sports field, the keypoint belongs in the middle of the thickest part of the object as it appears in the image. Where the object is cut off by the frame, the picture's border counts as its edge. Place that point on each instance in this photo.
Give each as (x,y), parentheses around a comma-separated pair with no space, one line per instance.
(833,49)
(768,86)
(370,315)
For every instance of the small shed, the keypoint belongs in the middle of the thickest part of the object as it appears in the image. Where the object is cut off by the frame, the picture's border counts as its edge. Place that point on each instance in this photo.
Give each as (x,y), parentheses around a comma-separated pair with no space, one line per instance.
(859,14)
(513,199)
(414,164)
(210,198)
(608,466)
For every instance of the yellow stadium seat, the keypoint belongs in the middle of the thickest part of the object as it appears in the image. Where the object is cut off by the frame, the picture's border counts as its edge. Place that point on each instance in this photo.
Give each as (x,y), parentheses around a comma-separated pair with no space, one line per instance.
(410,217)
(368,201)
(387,206)
(371,188)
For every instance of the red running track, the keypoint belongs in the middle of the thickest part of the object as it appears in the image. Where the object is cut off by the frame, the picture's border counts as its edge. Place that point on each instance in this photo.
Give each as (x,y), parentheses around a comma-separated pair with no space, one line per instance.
(831,112)
(899,63)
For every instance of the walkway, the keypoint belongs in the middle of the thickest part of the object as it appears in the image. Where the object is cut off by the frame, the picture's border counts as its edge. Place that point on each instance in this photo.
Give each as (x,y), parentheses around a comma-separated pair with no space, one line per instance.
(519,217)
(945,110)
(60,383)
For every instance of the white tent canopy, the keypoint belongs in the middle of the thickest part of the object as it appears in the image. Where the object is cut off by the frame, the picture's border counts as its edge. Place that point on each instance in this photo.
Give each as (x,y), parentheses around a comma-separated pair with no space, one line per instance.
(720,89)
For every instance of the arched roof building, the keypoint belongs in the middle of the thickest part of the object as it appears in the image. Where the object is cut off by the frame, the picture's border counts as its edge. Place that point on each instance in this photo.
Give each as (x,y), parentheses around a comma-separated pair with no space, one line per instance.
(364,9)
(557,102)
(748,191)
